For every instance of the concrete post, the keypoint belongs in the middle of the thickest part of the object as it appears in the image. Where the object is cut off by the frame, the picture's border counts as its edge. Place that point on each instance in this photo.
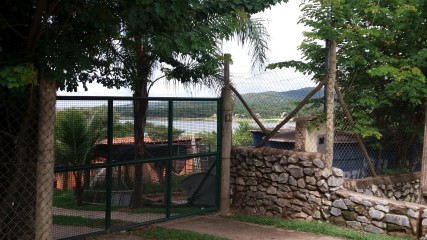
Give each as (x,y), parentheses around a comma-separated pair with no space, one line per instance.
(226,138)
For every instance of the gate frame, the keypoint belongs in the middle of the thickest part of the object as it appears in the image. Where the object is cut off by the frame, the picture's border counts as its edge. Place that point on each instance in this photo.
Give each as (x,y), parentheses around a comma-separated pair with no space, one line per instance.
(110,164)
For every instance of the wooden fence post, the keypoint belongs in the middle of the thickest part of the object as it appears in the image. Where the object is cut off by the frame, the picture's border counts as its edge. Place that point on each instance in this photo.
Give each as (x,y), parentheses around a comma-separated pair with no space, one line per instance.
(332,71)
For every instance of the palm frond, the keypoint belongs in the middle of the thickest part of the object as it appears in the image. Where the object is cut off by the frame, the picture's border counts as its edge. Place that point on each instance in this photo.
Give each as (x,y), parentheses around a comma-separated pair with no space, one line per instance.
(253,32)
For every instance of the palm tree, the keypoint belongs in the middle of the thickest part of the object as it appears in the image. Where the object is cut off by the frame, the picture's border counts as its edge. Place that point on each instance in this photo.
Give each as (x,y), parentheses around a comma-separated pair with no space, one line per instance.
(76,134)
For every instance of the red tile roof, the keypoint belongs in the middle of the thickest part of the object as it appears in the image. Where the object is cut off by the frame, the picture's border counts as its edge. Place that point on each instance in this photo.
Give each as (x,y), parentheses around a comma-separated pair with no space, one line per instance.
(147,139)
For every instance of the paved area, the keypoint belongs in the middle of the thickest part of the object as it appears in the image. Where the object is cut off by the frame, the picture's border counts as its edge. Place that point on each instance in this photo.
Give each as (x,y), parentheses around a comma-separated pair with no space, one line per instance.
(115,215)
(236,230)
(208,224)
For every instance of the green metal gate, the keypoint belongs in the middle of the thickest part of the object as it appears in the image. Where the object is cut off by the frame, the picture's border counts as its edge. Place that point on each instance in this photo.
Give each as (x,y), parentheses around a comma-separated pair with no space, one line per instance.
(107,180)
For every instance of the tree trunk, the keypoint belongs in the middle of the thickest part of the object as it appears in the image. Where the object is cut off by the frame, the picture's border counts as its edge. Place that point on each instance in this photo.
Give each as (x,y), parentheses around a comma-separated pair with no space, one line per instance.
(78,191)
(424,162)
(46,160)
(143,69)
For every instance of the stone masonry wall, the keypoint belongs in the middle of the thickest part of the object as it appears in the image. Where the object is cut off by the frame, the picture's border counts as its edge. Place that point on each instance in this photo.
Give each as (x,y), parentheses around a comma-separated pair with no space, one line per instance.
(290,184)
(403,187)
(378,215)
(284,183)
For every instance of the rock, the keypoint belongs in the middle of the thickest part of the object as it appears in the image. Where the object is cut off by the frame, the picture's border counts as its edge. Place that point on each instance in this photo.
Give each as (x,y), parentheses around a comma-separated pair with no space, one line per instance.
(335,181)
(349,215)
(359,200)
(339,203)
(313,199)
(335,211)
(397,219)
(316,214)
(306,163)
(271,190)
(362,219)
(277,168)
(326,173)
(308,171)
(283,178)
(310,180)
(319,163)
(337,172)
(293,159)
(301,183)
(240,181)
(379,224)
(295,171)
(348,202)
(283,202)
(372,229)
(292,181)
(354,224)
(295,208)
(274,177)
(412,213)
(376,214)
(385,209)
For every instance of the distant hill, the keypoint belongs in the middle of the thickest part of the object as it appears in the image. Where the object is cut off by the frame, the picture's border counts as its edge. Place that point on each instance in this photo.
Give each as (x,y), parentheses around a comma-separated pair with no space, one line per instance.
(272,104)
(300,94)
(268,104)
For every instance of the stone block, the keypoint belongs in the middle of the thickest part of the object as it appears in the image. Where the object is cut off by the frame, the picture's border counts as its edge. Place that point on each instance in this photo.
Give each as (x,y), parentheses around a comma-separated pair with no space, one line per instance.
(335,211)
(399,220)
(376,214)
(339,203)
(372,229)
(318,163)
(354,224)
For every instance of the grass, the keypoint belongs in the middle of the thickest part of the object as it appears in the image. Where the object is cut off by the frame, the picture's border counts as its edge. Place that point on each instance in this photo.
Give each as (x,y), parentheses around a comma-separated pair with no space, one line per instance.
(173,234)
(313,227)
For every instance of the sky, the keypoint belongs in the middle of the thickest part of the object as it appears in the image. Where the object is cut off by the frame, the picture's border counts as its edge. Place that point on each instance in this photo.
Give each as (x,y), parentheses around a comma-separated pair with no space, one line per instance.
(281,22)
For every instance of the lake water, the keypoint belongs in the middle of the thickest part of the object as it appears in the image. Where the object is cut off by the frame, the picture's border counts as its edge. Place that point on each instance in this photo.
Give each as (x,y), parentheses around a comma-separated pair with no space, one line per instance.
(195,126)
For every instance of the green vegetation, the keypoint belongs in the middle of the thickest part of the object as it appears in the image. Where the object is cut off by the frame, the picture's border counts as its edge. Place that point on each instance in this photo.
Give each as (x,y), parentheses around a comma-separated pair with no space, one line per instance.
(242,136)
(381,57)
(173,234)
(313,227)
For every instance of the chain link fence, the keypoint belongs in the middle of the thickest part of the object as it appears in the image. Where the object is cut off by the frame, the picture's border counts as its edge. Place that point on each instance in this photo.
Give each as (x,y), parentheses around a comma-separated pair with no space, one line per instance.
(106,178)
(273,94)
(18,151)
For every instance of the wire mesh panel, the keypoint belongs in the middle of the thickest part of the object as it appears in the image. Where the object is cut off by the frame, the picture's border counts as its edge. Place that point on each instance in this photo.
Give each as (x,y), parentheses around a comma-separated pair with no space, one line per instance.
(18,156)
(117,170)
(274,94)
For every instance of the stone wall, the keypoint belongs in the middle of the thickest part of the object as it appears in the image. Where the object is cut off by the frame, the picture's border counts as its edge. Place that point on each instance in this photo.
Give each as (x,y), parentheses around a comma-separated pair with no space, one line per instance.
(290,184)
(403,187)
(378,215)
(284,183)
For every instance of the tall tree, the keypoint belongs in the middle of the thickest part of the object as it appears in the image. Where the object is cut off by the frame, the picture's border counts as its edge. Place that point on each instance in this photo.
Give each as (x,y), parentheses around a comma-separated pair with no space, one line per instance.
(43,44)
(182,41)
(382,56)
